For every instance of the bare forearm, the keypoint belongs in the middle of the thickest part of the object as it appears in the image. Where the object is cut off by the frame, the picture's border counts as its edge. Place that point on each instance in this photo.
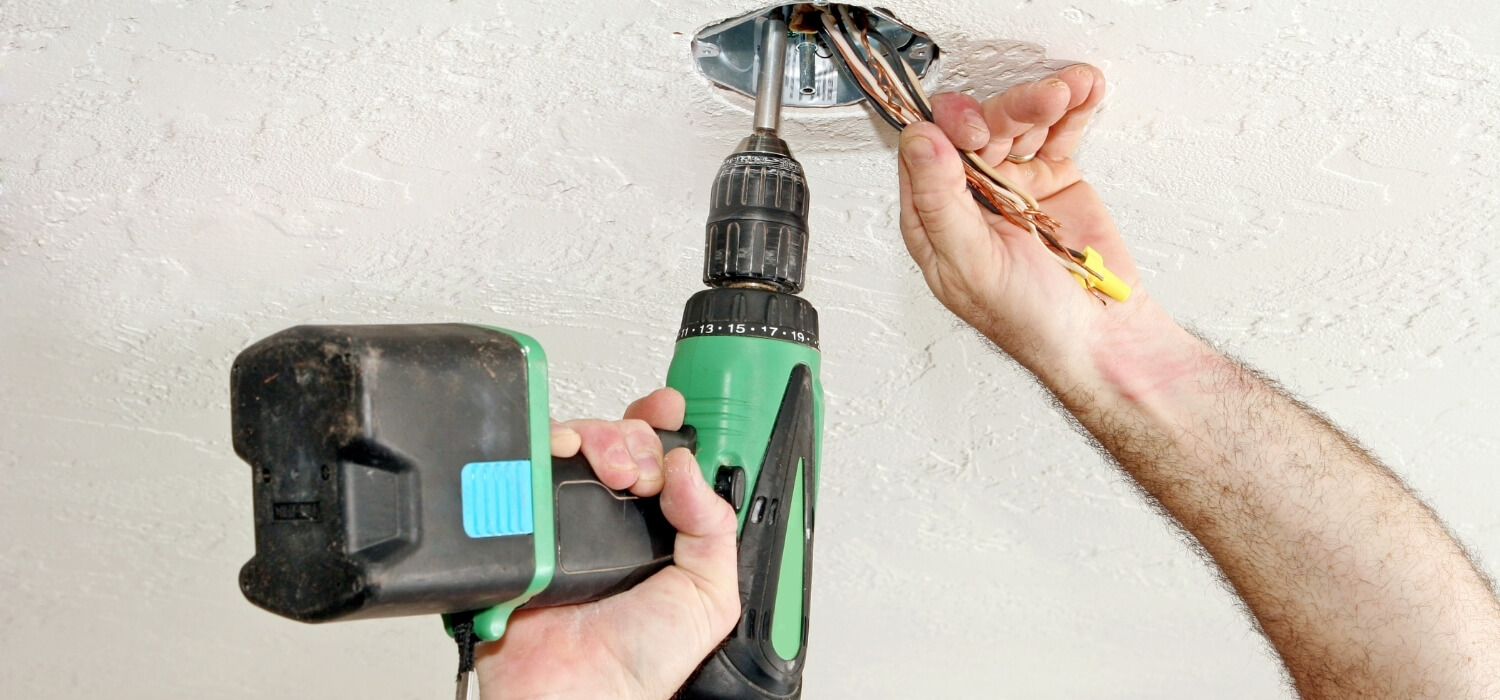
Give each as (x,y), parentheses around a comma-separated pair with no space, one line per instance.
(1356,583)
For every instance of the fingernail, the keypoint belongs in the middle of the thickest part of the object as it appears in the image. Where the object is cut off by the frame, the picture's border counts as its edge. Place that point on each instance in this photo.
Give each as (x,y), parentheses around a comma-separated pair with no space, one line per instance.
(647,462)
(618,459)
(562,432)
(918,150)
(978,130)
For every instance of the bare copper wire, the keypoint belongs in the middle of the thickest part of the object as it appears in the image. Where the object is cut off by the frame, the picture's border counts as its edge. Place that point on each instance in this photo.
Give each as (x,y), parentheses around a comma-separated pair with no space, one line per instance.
(887,92)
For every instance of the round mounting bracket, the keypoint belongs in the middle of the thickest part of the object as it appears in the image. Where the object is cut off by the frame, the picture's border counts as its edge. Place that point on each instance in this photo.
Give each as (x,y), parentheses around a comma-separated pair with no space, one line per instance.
(728,54)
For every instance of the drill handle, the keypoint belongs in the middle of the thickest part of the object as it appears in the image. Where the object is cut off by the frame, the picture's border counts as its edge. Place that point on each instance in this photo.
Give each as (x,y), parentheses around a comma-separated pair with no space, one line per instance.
(763,657)
(607,540)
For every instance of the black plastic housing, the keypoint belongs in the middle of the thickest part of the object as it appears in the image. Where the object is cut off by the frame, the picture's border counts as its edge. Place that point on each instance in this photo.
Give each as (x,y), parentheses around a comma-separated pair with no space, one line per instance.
(357,437)
(738,311)
(757,218)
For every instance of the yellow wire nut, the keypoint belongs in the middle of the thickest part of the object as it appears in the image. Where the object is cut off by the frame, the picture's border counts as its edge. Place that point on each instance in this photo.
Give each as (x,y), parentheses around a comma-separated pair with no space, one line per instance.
(1106,281)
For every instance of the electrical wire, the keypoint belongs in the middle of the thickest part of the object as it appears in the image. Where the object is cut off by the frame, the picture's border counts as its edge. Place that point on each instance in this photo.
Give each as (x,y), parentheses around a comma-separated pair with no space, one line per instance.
(871,61)
(906,76)
(827,32)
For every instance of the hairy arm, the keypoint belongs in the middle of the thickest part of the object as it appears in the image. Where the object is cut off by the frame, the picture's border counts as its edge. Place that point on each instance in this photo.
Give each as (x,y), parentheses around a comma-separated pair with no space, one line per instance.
(1355,582)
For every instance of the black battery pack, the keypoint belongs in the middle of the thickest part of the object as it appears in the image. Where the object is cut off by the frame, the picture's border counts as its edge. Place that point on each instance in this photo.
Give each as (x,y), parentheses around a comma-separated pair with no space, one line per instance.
(358,437)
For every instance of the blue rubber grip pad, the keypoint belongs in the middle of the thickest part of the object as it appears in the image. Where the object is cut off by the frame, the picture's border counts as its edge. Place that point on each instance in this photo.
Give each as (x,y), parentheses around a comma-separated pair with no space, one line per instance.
(497,498)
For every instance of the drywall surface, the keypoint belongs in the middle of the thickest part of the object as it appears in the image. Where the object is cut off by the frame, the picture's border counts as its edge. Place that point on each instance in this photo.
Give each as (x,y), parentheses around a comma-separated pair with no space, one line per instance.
(1311,183)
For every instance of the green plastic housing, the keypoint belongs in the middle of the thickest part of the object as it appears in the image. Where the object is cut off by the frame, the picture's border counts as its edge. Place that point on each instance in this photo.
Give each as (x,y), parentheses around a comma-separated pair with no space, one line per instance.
(734,387)
(490,624)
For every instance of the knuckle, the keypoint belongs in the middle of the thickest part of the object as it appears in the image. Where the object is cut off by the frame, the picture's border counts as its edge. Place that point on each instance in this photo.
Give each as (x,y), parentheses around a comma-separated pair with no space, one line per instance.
(600,436)
(587,428)
(636,431)
(928,202)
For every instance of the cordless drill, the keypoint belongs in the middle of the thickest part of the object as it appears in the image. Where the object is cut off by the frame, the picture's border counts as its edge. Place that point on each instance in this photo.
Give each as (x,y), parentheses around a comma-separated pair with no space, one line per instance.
(406,469)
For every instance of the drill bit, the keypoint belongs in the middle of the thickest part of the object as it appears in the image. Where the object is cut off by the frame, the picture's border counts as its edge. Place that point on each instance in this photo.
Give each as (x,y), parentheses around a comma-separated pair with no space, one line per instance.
(768,84)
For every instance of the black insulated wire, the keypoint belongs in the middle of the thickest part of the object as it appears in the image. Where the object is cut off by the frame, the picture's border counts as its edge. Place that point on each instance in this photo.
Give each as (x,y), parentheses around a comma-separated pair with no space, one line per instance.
(838,60)
(898,66)
(865,54)
(984,201)
(878,105)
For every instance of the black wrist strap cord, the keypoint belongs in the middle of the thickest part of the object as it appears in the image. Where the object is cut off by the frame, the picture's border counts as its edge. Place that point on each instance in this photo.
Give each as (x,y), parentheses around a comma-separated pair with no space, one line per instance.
(463,635)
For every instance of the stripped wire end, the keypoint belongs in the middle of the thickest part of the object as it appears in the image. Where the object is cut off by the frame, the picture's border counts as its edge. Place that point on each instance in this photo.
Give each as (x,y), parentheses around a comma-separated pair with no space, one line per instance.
(1041,219)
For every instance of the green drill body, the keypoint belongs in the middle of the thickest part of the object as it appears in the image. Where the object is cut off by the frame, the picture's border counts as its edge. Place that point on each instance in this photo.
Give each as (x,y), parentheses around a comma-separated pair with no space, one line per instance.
(734,387)
(747,363)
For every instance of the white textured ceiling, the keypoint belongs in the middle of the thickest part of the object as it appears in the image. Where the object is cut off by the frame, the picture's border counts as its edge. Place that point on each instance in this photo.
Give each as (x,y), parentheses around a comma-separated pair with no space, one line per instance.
(1311,183)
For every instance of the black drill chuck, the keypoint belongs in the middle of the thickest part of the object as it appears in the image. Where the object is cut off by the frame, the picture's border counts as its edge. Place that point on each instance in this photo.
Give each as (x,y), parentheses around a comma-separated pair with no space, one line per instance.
(757,218)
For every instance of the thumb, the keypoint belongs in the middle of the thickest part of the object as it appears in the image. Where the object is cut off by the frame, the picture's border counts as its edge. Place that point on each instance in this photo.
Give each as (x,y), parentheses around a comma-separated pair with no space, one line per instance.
(937,211)
(706,547)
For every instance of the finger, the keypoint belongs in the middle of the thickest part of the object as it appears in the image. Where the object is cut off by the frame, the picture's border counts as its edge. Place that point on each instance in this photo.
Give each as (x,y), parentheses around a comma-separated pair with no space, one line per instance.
(959,116)
(662,408)
(1015,111)
(705,549)
(1086,83)
(1079,212)
(565,440)
(603,445)
(645,451)
(912,231)
(1030,142)
(936,205)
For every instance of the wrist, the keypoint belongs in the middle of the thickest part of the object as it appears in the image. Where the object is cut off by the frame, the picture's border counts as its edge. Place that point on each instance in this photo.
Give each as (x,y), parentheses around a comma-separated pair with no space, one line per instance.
(1132,353)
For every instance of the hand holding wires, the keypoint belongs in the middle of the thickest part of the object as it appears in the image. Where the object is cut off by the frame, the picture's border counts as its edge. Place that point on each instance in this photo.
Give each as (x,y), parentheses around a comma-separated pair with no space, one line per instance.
(873,63)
